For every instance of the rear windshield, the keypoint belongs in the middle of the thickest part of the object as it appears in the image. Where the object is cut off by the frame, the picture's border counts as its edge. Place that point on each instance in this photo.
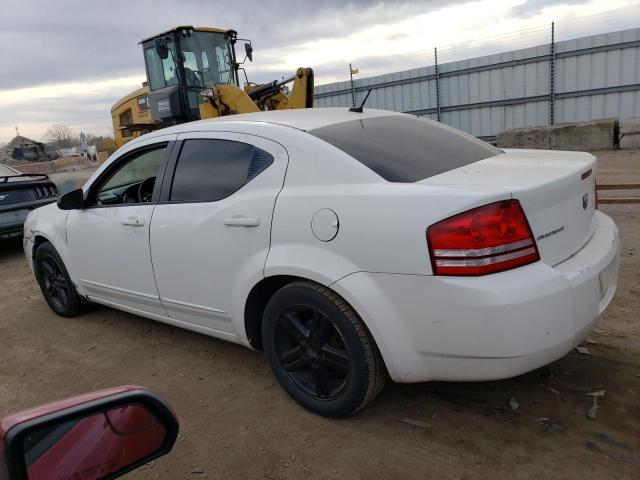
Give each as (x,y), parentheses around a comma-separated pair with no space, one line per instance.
(403,148)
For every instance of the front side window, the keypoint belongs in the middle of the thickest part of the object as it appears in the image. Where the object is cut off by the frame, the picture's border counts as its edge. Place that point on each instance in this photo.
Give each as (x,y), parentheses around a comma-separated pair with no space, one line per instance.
(402,148)
(210,170)
(133,181)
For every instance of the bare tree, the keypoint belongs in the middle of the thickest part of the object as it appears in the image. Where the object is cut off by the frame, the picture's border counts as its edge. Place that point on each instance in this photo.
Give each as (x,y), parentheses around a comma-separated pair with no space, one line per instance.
(104,144)
(61,136)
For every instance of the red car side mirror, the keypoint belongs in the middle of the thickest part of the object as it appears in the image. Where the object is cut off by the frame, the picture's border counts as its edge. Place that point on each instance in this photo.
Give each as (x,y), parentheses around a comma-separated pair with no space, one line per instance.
(97,435)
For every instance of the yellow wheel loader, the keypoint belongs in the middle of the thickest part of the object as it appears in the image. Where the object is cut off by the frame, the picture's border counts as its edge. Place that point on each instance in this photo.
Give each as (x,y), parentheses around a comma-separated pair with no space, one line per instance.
(192,74)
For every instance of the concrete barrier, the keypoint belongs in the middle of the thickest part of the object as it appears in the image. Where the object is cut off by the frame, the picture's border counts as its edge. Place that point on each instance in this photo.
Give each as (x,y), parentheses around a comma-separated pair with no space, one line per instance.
(584,136)
(532,137)
(630,134)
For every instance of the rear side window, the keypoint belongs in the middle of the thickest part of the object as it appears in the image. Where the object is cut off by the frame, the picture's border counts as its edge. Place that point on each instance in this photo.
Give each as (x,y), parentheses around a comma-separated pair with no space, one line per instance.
(210,170)
(405,148)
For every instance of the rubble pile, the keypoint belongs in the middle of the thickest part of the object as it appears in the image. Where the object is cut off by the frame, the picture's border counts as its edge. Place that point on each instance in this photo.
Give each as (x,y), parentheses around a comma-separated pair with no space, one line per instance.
(24,149)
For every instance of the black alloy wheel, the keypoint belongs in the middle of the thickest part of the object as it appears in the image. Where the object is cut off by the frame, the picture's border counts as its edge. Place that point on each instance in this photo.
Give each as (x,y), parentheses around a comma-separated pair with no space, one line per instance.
(312,352)
(320,350)
(56,285)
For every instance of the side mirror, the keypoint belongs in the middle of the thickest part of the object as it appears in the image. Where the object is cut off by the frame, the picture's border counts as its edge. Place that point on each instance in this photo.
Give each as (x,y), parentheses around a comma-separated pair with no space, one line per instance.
(73,200)
(162,49)
(97,435)
(248,49)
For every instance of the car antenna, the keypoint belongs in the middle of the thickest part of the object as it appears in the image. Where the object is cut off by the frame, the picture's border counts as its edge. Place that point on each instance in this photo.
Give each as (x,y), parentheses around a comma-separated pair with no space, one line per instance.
(359,109)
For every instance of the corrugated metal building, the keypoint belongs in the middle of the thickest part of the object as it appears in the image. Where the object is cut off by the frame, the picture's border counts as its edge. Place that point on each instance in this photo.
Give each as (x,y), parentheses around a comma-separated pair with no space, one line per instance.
(594,77)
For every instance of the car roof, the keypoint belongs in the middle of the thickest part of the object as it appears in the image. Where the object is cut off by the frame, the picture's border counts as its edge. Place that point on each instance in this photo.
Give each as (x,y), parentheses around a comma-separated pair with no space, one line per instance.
(300,118)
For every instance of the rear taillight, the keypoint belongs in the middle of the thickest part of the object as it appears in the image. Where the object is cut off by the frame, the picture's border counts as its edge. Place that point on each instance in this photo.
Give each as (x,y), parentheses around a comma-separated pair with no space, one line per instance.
(487,239)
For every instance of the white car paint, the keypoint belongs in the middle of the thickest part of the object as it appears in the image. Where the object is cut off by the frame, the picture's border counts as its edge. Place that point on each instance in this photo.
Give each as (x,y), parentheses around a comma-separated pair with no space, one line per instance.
(193,265)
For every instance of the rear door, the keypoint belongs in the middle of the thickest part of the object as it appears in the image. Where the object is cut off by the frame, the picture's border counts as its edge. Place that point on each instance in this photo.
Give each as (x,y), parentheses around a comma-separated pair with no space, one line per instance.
(210,234)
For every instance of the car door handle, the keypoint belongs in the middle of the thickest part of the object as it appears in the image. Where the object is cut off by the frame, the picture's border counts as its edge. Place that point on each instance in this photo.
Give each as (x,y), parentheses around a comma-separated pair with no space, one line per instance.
(133,221)
(242,221)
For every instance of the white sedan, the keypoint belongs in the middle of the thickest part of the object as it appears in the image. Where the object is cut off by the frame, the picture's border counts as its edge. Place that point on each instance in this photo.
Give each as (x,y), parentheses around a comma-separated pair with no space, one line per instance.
(349,246)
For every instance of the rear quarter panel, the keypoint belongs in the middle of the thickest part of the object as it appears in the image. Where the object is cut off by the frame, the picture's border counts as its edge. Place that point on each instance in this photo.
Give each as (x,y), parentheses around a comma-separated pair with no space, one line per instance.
(382,227)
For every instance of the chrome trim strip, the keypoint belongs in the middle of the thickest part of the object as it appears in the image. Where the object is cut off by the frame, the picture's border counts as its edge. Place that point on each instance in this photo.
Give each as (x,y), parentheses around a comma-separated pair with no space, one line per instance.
(88,284)
(190,305)
(481,262)
(482,252)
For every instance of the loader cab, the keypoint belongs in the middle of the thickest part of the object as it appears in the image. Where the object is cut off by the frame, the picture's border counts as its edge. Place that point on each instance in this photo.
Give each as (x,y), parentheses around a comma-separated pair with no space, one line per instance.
(180,63)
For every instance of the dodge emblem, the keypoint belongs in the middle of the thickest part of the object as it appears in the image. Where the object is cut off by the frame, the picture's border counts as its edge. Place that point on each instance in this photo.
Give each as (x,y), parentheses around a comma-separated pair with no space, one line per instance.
(585,201)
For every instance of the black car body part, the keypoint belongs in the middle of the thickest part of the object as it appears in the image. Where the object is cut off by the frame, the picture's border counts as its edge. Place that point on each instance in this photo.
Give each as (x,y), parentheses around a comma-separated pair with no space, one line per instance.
(19,194)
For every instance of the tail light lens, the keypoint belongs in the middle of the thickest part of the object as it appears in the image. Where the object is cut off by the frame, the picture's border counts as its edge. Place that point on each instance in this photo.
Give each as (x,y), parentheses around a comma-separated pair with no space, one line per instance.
(487,239)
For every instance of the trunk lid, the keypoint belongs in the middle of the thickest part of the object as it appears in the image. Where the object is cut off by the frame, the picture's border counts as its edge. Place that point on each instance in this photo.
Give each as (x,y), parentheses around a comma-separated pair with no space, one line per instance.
(556,190)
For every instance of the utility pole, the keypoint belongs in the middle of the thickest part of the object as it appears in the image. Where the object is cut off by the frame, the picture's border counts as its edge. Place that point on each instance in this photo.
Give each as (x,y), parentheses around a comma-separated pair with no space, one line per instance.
(435,52)
(353,88)
(552,77)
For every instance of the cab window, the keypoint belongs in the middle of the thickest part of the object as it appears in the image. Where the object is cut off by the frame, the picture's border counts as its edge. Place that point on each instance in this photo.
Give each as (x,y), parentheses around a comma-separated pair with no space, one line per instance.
(162,72)
(154,67)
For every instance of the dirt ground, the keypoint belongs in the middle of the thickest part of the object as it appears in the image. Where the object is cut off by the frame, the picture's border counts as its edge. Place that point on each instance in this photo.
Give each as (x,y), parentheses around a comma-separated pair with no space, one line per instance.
(236,422)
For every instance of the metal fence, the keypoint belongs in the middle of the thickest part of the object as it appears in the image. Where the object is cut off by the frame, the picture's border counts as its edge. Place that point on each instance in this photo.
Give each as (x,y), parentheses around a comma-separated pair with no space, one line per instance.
(569,81)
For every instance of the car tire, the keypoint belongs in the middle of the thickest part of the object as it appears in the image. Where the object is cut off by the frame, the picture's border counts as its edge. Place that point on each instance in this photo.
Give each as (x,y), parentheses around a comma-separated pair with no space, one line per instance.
(56,285)
(320,351)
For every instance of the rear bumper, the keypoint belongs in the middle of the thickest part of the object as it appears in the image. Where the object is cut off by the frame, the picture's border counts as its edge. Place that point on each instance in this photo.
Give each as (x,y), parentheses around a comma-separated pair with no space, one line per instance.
(490,327)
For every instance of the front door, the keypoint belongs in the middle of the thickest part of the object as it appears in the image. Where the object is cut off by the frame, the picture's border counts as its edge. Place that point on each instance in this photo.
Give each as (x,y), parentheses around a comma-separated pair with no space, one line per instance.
(109,238)
(210,232)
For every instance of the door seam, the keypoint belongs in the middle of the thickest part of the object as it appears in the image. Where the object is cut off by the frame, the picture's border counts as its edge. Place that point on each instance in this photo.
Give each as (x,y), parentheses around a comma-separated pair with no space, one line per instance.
(153,270)
(273,214)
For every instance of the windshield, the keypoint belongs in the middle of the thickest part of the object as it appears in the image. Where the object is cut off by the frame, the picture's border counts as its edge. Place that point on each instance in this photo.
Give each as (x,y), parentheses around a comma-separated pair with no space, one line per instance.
(206,58)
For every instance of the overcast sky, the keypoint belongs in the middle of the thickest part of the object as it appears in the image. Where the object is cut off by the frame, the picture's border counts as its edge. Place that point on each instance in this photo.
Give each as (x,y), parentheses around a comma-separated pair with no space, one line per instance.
(67,62)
